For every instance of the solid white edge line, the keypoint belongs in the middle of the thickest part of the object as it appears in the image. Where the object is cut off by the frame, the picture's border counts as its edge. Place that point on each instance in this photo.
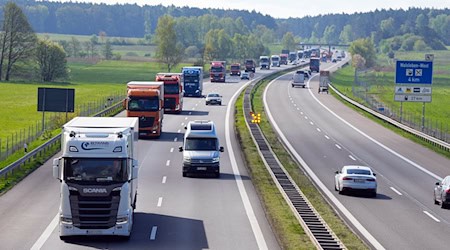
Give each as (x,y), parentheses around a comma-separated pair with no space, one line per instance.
(164,179)
(237,176)
(46,234)
(318,182)
(431,216)
(395,190)
(159,201)
(153,233)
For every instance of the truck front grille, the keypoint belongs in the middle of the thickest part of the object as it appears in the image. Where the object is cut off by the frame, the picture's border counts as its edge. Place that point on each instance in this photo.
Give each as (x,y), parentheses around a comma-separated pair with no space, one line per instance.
(99,212)
(169,103)
(146,122)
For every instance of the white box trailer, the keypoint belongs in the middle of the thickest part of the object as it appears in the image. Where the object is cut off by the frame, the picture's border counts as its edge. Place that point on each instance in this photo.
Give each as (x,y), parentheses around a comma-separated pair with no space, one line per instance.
(98,172)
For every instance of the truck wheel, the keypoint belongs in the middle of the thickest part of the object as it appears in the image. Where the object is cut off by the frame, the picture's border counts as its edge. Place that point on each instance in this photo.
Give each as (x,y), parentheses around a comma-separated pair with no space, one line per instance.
(220,103)
(217,175)
(184,174)
(65,238)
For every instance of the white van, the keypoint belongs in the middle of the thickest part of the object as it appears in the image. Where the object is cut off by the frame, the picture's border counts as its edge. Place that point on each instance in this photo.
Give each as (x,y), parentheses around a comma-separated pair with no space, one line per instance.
(298,79)
(201,150)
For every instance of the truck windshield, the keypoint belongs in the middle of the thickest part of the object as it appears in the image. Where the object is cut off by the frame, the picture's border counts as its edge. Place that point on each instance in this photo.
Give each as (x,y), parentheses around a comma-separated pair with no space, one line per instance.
(188,79)
(172,88)
(95,170)
(217,69)
(206,144)
(143,104)
(235,68)
(264,60)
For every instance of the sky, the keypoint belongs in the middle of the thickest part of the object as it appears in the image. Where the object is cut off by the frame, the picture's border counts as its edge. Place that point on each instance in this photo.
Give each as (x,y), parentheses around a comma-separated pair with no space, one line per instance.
(289,8)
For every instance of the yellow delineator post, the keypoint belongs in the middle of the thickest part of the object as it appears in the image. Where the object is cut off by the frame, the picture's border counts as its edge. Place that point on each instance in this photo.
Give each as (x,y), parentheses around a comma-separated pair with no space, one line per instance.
(256,118)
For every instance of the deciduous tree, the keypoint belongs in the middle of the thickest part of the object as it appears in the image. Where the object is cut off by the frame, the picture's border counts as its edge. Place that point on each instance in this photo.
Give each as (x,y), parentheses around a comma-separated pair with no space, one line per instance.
(17,39)
(169,51)
(365,48)
(51,60)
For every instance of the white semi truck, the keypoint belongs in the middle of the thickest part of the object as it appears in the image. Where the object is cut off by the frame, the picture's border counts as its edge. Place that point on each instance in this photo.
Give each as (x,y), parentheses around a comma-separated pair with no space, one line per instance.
(98,172)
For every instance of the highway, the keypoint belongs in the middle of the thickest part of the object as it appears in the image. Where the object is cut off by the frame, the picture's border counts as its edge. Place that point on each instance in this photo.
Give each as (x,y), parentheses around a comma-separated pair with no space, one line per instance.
(324,135)
(172,212)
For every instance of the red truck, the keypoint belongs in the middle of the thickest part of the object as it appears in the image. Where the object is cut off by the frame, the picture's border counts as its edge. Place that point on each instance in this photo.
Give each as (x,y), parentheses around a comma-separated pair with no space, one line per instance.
(284,59)
(250,65)
(173,91)
(235,69)
(218,71)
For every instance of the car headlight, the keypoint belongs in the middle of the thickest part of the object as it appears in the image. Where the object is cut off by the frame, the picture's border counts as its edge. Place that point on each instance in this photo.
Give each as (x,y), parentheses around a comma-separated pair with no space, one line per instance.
(187,158)
(65,220)
(215,159)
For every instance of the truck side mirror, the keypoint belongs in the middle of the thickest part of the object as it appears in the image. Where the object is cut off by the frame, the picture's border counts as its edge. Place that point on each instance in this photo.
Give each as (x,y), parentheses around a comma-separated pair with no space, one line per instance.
(180,149)
(221,149)
(135,170)
(56,173)
(124,103)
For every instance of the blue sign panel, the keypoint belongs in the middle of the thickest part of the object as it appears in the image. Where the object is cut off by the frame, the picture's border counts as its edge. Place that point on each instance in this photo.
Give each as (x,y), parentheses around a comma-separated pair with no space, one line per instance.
(414,72)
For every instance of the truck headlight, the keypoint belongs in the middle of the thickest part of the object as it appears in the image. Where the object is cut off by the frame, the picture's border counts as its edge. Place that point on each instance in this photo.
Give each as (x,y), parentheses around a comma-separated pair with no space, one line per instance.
(65,220)
(122,219)
(187,159)
(215,159)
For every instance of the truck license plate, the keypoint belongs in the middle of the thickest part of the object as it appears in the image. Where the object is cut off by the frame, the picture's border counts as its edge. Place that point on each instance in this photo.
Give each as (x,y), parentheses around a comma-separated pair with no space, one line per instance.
(96,232)
(201,168)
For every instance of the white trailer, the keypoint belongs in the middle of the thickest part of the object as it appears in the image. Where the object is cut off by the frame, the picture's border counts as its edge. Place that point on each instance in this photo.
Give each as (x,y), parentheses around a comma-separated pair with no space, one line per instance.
(98,172)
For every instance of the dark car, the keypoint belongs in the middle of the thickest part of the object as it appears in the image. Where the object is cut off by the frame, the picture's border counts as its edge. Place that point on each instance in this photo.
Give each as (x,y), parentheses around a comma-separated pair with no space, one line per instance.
(442,192)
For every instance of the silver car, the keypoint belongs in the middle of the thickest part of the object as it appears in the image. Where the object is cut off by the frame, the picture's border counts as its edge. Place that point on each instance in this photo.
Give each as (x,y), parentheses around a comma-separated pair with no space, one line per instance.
(356,178)
(213,98)
(442,192)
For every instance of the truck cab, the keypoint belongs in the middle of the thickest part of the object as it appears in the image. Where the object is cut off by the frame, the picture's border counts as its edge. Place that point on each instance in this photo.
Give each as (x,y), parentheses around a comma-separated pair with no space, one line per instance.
(235,69)
(264,62)
(275,60)
(218,71)
(98,172)
(193,81)
(250,65)
(201,150)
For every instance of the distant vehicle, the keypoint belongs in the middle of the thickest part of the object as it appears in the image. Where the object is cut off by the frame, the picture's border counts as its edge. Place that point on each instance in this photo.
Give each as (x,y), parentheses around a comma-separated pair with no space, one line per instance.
(334,60)
(235,69)
(442,192)
(314,64)
(275,60)
(300,54)
(298,79)
(245,75)
(264,62)
(339,58)
(292,57)
(218,71)
(201,150)
(213,98)
(250,65)
(356,178)
(192,81)
(284,59)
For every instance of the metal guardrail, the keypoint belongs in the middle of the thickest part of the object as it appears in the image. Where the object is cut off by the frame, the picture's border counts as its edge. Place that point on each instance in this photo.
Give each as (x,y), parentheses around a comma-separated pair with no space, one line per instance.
(432,140)
(39,151)
(319,232)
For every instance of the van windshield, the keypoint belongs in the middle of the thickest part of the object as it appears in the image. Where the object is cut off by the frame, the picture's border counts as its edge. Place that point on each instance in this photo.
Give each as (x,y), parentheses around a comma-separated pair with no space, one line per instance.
(206,144)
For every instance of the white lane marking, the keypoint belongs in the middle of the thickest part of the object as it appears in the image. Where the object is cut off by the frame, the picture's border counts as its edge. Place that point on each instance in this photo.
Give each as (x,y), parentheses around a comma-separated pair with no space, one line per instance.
(306,117)
(316,179)
(186,118)
(395,190)
(431,216)
(237,176)
(175,139)
(182,124)
(339,147)
(153,233)
(168,163)
(159,201)
(298,108)
(312,123)
(46,234)
(194,108)
(301,113)
(197,104)
(179,130)
(377,142)
(190,113)
(171,150)
(318,129)
(295,105)
(164,179)
(326,136)
(351,157)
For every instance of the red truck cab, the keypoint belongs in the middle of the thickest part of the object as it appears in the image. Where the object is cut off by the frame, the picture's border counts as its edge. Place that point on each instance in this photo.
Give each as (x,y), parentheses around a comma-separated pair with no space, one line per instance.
(235,69)
(218,71)
(173,91)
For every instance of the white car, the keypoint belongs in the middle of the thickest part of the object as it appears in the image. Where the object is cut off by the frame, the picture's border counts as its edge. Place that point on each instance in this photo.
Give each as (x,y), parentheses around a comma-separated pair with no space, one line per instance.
(442,192)
(356,178)
(213,98)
